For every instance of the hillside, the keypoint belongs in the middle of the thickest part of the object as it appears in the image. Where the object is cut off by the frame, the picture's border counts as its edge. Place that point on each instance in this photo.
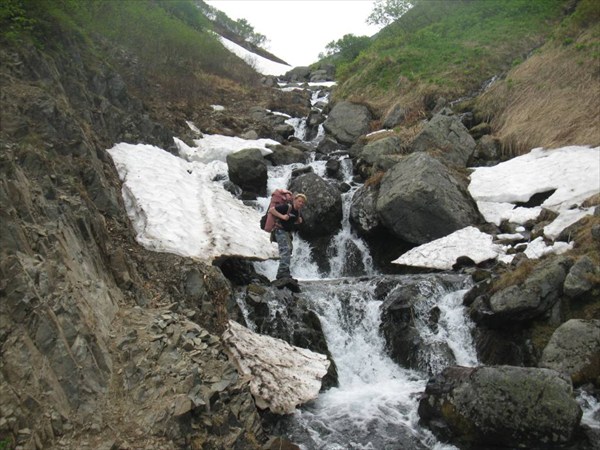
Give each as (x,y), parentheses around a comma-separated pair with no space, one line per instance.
(101,339)
(542,55)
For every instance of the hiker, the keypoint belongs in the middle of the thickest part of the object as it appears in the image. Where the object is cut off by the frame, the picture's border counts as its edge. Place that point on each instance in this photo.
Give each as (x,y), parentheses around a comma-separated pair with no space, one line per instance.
(289,215)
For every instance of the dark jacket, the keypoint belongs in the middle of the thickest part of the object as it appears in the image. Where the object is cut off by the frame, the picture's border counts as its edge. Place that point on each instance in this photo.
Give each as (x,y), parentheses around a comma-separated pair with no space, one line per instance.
(288,225)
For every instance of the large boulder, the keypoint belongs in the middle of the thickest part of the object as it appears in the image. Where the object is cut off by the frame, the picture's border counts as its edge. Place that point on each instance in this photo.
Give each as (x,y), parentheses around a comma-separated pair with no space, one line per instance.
(347,122)
(504,406)
(323,214)
(533,297)
(403,312)
(300,73)
(420,200)
(286,154)
(375,155)
(248,169)
(363,211)
(447,135)
(574,349)
(580,280)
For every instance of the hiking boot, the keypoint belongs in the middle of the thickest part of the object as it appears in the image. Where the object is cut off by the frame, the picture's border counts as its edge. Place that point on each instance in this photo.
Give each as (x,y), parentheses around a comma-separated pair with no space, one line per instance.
(293,287)
(279,283)
(288,282)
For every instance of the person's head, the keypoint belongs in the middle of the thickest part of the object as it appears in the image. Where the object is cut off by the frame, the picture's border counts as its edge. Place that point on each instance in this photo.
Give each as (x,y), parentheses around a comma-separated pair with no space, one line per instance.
(299,201)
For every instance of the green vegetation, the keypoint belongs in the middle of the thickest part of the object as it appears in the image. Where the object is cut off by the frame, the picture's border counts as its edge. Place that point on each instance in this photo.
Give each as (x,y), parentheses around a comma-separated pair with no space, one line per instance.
(14,22)
(347,48)
(448,47)
(228,27)
(557,84)
(387,11)
(164,36)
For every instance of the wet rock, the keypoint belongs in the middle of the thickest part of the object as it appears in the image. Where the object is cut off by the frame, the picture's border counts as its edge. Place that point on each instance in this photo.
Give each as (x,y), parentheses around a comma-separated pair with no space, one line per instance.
(500,406)
(574,349)
(420,200)
(447,135)
(286,154)
(323,213)
(247,169)
(347,122)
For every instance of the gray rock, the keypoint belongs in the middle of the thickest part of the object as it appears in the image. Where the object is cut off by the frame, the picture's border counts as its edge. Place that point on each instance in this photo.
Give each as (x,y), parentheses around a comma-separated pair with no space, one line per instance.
(447,135)
(501,406)
(574,349)
(421,200)
(363,211)
(248,169)
(286,154)
(533,297)
(395,116)
(579,279)
(486,150)
(323,213)
(372,156)
(402,315)
(347,122)
(300,73)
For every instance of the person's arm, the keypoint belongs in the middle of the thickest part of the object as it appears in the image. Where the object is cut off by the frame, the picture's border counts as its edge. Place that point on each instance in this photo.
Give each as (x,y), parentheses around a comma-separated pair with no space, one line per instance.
(279,215)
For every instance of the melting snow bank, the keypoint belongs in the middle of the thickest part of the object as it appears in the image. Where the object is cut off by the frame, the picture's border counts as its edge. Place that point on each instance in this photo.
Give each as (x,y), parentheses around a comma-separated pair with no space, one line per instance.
(568,175)
(177,207)
(281,376)
(214,147)
(442,253)
(260,64)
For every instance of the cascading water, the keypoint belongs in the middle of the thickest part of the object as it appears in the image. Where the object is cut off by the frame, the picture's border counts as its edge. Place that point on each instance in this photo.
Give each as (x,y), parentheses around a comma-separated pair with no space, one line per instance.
(375,404)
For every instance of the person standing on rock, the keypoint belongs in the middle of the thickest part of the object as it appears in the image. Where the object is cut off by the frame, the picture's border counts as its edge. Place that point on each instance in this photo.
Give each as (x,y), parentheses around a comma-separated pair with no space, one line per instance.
(288,216)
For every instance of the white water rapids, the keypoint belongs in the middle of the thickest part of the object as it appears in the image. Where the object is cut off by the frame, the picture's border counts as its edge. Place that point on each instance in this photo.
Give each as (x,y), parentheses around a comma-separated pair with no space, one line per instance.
(375,405)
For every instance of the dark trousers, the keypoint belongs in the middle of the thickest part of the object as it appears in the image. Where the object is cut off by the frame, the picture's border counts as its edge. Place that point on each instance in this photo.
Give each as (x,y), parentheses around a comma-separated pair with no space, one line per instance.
(284,242)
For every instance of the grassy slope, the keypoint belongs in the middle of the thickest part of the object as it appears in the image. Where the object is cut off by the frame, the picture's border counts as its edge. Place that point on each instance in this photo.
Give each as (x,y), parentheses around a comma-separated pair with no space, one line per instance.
(164,42)
(448,47)
(553,98)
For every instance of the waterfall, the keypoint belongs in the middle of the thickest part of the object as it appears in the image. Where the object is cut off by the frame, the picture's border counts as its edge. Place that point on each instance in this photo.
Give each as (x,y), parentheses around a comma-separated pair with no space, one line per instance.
(376,402)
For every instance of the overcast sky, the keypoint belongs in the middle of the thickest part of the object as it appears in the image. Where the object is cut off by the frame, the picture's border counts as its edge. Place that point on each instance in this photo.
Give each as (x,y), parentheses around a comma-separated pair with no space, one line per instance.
(298,30)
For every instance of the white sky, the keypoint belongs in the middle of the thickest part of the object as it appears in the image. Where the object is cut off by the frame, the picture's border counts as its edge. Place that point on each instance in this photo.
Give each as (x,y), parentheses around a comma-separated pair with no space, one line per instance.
(298,30)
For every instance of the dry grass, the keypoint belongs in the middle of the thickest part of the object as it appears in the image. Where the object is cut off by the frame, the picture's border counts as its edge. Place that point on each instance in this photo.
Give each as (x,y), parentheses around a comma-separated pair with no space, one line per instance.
(375,179)
(513,277)
(594,200)
(551,100)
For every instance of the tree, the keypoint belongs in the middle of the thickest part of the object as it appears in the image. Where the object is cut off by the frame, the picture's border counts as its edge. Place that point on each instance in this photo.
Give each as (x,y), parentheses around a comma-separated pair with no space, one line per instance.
(387,11)
(246,32)
(348,47)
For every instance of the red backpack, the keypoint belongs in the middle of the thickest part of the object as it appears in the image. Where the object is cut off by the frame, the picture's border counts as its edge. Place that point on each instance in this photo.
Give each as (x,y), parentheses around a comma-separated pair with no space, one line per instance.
(278,197)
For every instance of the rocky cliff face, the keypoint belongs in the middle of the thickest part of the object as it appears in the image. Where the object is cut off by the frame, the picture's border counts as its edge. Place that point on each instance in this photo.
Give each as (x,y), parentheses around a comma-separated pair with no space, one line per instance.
(87,317)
